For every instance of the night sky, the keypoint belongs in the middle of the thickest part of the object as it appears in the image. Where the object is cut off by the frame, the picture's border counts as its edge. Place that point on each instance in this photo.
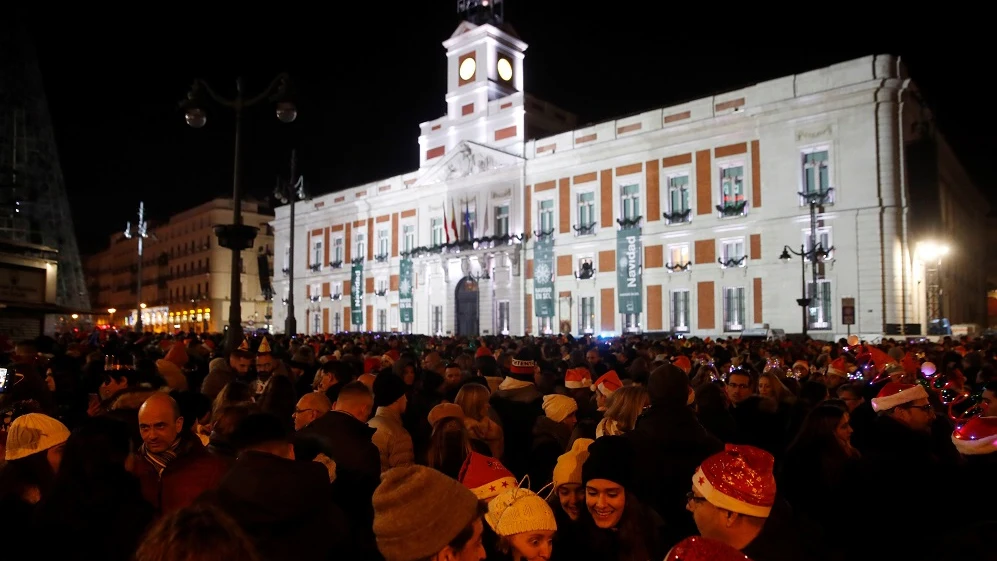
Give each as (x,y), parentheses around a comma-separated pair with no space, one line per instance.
(366,80)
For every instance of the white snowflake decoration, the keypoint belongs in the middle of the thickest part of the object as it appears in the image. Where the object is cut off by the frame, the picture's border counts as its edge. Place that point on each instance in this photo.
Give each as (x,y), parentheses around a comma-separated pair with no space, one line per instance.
(624,262)
(543,273)
(405,286)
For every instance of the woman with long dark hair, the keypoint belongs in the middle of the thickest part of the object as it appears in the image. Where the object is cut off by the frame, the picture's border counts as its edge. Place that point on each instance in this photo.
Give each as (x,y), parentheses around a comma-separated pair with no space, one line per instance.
(618,526)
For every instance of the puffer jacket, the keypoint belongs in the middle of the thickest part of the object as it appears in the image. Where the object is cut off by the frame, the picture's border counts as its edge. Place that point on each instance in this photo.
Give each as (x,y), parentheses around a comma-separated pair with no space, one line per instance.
(392,440)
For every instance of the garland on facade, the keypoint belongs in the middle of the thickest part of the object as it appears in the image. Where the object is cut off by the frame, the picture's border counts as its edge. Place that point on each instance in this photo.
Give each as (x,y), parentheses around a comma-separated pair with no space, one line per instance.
(486,242)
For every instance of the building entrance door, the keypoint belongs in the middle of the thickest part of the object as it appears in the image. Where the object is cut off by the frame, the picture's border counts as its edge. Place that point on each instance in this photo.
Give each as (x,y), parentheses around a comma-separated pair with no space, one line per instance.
(466,308)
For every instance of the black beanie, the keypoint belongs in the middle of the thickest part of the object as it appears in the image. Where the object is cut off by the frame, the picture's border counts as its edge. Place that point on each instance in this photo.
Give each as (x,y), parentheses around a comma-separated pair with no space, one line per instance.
(611,458)
(388,388)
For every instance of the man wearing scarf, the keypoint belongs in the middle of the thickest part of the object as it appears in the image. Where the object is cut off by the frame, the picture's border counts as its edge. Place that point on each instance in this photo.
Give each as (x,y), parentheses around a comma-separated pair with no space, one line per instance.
(173,467)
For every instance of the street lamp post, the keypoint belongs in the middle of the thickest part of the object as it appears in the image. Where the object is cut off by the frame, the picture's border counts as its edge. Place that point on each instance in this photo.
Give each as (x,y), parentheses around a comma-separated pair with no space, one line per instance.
(237,236)
(141,232)
(289,192)
(816,254)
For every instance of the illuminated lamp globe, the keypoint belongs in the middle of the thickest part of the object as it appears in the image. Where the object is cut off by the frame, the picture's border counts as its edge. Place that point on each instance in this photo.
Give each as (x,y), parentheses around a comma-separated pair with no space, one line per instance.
(286,111)
(853,340)
(928,369)
(195,117)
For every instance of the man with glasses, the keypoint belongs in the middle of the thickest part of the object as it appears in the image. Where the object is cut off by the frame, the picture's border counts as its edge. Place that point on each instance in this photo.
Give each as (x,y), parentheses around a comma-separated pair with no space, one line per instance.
(906,404)
(310,407)
(904,471)
(740,386)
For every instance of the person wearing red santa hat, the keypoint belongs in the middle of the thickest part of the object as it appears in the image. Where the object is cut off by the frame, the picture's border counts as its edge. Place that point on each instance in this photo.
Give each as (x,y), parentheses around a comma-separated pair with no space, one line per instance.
(605,386)
(732,499)
(906,404)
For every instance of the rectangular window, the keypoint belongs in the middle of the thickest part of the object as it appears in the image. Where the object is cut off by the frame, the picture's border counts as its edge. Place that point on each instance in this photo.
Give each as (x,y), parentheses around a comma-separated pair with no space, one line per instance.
(382,321)
(287,259)
(316,292)
(382,285)
(361,248)
(678,255)
(547,215)
(501,220)
(823,239)
(734,308)
(337,323)
(316,323)
(408,238)
(503,317)
(819,313)
(816,173)
(436,229)
(586,315)
(680,311)
(545,325)
(337,250)
(630,201)
(438,320)
(631,323)
(732,253)
(383,242)
(732,199)
(678,198)
(317,253)
(586,213)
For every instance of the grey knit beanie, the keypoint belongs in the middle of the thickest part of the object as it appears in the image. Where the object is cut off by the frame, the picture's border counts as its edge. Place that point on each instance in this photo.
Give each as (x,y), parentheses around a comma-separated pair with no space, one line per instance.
(418,511)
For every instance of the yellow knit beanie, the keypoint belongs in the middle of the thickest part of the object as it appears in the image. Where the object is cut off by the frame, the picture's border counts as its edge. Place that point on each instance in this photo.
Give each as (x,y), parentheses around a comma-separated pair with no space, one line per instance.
(519,511)
(569,464)
(557,407)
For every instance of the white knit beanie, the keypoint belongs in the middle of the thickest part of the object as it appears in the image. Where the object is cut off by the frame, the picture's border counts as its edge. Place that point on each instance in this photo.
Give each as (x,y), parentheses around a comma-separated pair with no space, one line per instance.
(519,511)
(32,433)
(557,407)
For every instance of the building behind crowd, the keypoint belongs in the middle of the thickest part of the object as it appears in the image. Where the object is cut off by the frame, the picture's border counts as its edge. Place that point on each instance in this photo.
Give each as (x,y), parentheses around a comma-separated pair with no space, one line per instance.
(186,275)
(519,220)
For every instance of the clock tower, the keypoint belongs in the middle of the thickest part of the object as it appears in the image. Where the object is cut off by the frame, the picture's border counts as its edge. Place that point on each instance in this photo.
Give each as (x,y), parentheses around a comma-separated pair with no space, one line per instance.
(485,102)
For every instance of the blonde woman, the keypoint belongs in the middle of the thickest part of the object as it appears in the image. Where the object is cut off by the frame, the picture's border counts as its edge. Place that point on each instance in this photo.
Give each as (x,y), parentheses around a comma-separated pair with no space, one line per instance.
(473,400)
(624,406)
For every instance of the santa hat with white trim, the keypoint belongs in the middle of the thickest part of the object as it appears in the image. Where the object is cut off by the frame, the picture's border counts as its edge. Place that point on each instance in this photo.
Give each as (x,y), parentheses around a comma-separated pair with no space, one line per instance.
(486,477)
(739,479)
(608,383)
(897,393)
(838,367)
(577,378)
(977,436)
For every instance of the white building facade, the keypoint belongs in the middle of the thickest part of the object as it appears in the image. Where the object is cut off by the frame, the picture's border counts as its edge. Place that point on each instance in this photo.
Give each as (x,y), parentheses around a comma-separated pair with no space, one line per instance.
(672,220)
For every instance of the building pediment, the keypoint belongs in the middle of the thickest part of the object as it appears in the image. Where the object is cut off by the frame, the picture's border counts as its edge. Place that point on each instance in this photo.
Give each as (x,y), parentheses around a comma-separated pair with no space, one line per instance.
(467,159)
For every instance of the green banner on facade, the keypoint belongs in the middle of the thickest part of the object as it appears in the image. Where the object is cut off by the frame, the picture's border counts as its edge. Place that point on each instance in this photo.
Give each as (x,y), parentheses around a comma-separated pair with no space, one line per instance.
(543,277)
(356,293)
(629,287)
(405,290)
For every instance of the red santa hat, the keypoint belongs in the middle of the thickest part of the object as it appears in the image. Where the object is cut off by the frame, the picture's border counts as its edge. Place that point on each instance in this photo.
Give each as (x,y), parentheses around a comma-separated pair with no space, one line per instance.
(683,362)
(698,548)
(482,351)
(739,479)
(607,383)
(577,378)
(838,367)
(977,436)
(897,393)
(486,477)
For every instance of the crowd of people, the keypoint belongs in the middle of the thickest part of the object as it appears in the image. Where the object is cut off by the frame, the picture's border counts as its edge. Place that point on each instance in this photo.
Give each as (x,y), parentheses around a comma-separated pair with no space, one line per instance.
(388,447)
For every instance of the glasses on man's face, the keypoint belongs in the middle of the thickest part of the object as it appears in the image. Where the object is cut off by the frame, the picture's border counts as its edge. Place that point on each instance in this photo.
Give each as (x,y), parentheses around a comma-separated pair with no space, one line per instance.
(301,411)
(692,497)
(738,386)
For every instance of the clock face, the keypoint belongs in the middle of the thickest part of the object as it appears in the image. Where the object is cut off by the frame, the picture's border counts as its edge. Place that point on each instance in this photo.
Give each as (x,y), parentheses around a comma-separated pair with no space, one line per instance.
(467,67)
(504,68)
